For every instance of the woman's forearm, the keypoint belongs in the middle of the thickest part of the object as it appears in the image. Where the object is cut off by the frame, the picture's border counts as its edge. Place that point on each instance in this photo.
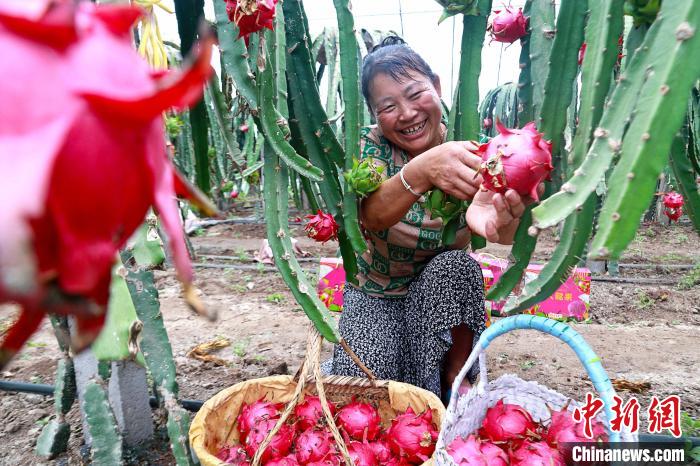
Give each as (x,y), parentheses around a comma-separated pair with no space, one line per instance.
(387,205)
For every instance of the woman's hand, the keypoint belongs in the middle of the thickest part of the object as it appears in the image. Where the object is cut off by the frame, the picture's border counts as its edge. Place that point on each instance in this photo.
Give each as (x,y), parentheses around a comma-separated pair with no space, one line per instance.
(496,216)
(453,167)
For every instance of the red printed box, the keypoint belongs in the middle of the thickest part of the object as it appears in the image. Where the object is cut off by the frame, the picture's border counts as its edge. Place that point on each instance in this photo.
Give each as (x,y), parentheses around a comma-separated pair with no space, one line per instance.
(571,301)
(331,283)
(492,268)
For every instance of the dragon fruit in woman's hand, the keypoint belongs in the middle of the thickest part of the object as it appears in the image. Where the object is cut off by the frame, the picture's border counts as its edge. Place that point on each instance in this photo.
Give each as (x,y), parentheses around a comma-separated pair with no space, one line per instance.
(516,159)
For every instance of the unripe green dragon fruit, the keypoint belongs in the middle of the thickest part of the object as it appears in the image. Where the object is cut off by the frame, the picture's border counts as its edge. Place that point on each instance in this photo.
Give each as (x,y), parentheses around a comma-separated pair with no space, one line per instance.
(364,177)
(448,209)
(643,12)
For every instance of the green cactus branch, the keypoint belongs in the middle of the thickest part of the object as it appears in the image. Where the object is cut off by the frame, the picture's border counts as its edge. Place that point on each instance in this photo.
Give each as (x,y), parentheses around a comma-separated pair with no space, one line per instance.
(276,197)
(648,140)
(542,31)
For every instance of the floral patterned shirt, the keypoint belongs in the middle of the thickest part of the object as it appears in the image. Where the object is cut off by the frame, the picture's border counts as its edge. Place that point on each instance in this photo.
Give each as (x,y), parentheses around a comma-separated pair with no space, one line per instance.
(395,256)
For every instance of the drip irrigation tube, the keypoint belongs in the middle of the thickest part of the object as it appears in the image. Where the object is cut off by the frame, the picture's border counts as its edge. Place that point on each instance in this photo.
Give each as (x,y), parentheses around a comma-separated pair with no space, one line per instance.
(47,390)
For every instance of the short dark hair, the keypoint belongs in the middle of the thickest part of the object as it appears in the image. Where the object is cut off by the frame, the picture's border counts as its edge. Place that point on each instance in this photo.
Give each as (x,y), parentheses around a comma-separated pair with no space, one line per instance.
(395,58)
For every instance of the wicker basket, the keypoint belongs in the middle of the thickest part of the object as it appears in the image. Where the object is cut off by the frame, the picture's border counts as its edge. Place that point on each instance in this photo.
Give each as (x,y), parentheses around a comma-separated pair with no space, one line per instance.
(214,424)
(466,413)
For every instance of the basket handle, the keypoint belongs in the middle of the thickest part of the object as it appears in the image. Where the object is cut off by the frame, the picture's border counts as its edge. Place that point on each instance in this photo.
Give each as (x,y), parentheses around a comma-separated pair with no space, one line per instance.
(312,362)
(591,361)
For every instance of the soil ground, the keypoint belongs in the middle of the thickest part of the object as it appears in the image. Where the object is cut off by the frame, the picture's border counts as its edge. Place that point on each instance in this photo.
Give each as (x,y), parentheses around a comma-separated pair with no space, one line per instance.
(643,333)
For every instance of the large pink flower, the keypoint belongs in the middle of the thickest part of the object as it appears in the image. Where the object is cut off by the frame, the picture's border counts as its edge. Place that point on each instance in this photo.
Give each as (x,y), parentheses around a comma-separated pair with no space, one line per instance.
(83,157)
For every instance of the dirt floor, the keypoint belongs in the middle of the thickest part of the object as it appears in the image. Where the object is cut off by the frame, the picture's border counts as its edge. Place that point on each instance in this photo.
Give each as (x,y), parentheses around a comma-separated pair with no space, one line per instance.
(643,332)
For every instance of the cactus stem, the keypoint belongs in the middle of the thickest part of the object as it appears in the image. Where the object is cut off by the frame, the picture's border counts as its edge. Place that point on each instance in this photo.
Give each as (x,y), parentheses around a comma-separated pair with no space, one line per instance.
(280,233)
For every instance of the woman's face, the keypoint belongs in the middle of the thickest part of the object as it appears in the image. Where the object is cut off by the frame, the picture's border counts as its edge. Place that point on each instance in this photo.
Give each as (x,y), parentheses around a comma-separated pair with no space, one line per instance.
(408,112)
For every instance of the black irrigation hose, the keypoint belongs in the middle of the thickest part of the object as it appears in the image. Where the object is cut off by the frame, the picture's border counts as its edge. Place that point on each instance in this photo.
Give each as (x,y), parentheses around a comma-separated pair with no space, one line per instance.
(47,390)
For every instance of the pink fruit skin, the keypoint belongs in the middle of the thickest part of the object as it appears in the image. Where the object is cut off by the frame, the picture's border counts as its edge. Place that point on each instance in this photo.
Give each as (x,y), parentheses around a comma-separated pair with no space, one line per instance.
(475,452)
(563,429)
(309,412)
(233,455)
(504,422)
(536,454)
(507,26)
(673,200)
(279,446)
(361,454)
(357,417)
(313,445)
(252,413)
(321,227)
(262,17)
(516,159)
(289,460)
(381,450)
(413,435)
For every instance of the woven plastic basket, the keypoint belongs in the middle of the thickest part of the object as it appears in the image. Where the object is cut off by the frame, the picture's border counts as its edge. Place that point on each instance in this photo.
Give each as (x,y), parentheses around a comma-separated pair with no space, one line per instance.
(466,413)
(214,424)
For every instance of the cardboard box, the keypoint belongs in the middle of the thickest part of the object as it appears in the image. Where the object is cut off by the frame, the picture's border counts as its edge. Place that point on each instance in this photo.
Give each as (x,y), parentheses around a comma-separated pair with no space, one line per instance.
(571,301)
(331,283)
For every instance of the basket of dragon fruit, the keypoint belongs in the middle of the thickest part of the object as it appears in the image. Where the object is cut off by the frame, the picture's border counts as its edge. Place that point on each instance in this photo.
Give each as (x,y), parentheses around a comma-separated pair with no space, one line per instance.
(510,421)
(309,419)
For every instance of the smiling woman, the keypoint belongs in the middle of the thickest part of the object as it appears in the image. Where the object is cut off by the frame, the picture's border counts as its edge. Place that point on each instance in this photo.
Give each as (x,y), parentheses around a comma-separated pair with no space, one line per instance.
(419,305)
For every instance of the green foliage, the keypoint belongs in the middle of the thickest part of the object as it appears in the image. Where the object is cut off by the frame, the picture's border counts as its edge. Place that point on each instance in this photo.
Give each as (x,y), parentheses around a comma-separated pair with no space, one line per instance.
(691,279)
(106,448)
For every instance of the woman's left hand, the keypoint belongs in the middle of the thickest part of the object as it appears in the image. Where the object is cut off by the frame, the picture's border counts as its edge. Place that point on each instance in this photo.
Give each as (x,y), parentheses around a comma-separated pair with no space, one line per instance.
(496,216)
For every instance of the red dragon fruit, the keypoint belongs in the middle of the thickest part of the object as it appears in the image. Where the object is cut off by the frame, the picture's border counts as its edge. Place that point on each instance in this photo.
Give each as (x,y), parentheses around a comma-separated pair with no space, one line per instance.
(332,459)
(536,454)
(313,445)
(252,413)
(321,227)
(563,429)
(516,159)
(84,158)
(309,412)
(381,450)
(413,435)
(279,446)
(507,26)
(251,15)
(673,203)
(233,455)
(475,452)
(505,422)
(289,460)
(359,420)
(361,454)
(397,461)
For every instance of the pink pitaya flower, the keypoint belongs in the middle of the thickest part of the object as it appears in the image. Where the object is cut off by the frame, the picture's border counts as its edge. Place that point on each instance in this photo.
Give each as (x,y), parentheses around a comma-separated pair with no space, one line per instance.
(84,158)
(516,159)
(507,26)
(321,227)
(251,15)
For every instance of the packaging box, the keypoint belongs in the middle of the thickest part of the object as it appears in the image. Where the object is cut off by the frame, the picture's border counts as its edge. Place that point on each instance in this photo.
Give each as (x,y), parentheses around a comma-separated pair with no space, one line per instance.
(331,283)
(492,268)
(570,302)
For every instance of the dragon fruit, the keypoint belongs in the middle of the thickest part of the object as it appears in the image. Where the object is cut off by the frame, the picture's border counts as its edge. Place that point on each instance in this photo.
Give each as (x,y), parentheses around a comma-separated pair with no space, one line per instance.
(361,454)
(254,412)
(309,412)
(413,435)
(507,26)
(321,227)
(563,429)
(364,177)
(504,422)
(289,460)
(313,445)
(333,459)
(673,203)
(516,159)
(279,446)
(359,420)
(397,461)
(475,452)
(233,455)
(84,159)
(536,454)
(381,450)
(251,15)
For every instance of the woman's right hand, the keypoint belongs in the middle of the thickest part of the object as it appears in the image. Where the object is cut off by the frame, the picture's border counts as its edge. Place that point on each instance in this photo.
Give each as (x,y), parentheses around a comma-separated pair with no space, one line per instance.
(454,168)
